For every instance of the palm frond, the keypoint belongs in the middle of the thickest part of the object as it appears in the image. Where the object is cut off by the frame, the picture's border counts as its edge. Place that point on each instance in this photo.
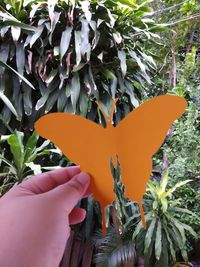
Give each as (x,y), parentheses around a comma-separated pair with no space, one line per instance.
(112,251)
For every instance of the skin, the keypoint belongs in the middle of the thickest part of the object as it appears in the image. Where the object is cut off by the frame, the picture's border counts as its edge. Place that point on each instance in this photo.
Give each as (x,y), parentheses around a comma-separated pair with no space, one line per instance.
(36,217)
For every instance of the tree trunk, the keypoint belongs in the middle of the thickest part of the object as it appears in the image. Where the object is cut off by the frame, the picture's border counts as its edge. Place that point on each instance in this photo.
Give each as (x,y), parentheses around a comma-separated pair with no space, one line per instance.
(190,42)
(173,51)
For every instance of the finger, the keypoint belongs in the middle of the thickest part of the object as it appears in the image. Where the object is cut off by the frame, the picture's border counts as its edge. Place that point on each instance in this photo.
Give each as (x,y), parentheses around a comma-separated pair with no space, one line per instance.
(68,194)
(47,181)
(87,193)
(77,215)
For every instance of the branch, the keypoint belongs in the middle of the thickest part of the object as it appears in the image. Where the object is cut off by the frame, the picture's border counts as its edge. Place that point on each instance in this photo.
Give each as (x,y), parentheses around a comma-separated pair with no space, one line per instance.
(185,19)
(168,8)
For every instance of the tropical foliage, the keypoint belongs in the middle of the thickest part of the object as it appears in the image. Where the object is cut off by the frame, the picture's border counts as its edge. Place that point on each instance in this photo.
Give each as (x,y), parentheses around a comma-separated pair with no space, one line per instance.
(18,157)
(59,56)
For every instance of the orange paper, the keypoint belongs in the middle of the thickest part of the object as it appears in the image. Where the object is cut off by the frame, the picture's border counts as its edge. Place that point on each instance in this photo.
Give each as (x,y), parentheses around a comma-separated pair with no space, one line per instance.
(135,140)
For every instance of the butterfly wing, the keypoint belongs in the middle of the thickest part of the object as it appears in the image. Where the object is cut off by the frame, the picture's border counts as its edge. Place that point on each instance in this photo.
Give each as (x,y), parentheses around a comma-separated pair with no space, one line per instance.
(86,144)
(140,135)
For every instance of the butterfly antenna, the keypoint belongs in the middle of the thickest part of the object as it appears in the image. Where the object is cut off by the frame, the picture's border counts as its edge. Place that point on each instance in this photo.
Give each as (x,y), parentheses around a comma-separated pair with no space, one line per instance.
(113,109)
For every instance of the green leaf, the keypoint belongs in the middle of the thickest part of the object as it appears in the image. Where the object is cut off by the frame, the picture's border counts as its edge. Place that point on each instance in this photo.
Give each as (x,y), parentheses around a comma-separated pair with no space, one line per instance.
(36,35)
(4,53)
(113,88)
(12,21)
(65,41)
(155,204)
(39,151)
(122,58)
(158,241)
(164,181)
(111,17)
(83,103)
(20,58)
(109,75)
(85,7)
(22,77)
(6,161)
(51,101)
(20,25)
(117,37)
(78,47)
(149,235)
(6,15)
(15,31)
(138,228)
(54,23)
(178,225)
(129,3)
(91,83)
(8,104)
(42,101)
(158,28)
(27,99)
(164,203)
(130,92)
(148,58)
(36,168)
(51,76)
(62,100)
(85,44)
(179,184)
(182,210)
(190,230)
(17,148)
(172,251)
(75,90)
(77,68)
(138,60)
(30,146)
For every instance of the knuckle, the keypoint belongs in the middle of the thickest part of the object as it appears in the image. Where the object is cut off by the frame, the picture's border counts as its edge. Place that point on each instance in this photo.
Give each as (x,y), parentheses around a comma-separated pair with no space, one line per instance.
(76,186)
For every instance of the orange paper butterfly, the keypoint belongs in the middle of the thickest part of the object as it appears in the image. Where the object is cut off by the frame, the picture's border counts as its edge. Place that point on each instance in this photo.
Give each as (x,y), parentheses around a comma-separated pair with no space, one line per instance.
(135,140)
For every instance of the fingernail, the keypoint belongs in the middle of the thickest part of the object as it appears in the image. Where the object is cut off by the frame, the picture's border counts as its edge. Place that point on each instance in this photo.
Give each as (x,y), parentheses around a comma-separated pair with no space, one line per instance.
(83,178)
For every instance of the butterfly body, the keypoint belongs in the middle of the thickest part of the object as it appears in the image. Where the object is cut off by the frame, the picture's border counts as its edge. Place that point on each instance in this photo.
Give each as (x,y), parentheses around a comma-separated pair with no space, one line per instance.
(134,140)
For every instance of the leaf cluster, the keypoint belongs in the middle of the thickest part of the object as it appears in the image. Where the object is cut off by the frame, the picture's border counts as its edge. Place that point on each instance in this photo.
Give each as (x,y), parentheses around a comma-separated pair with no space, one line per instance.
(64,55)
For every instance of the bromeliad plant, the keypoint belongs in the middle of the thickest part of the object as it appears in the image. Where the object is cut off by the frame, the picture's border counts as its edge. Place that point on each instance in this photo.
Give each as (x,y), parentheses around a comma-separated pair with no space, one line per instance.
(164,241)
(116,248)
(162,244)
(17,159)
(71,52)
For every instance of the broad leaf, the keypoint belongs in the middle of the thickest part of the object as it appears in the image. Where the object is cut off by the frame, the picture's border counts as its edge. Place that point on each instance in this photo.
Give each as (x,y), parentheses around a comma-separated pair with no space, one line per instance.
(75,90)
(8,104)
(65,41)
(22,77)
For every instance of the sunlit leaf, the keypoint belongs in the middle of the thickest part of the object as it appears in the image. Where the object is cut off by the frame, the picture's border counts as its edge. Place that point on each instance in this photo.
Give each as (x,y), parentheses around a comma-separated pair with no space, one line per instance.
(78,47)
(65,41)
(158,241)
(8,103)
(20,58)
(149,235)
(75,90)
(22,77)
(85,6)
(15,31)
(122,58)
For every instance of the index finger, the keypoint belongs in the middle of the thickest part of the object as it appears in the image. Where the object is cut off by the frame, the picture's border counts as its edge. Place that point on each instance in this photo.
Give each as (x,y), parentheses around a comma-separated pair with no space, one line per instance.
(45,182)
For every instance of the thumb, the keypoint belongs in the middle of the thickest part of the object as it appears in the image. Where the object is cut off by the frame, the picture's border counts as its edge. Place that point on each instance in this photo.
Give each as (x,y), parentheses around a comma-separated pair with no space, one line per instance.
(70,193)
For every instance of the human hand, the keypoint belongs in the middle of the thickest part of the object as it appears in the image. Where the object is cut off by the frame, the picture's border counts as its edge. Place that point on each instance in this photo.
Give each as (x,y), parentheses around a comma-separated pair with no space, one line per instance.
(35,217)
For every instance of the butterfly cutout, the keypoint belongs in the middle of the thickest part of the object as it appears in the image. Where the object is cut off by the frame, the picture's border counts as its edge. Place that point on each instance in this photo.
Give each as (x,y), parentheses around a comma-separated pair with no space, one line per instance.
(135,140)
